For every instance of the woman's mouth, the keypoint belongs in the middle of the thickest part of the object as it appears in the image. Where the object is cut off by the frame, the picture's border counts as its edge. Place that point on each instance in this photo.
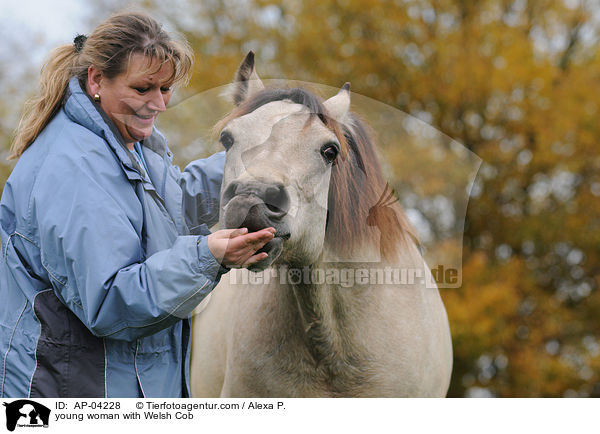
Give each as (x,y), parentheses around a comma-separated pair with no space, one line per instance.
(145,119)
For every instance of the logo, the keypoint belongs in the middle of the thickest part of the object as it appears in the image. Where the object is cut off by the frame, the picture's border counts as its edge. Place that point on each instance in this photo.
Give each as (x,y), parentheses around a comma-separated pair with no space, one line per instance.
(26,413)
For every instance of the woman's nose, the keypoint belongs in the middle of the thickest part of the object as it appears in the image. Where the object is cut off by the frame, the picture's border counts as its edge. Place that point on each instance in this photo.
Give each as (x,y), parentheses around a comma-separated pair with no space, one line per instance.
(157,101)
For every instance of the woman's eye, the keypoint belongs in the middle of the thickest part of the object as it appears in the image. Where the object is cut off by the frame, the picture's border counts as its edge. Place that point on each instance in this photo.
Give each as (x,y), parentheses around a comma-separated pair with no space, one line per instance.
(165,89)
(142,89)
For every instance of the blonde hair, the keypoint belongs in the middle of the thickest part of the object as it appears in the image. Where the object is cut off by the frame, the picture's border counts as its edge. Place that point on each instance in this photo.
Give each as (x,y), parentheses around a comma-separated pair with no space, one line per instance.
(109,48)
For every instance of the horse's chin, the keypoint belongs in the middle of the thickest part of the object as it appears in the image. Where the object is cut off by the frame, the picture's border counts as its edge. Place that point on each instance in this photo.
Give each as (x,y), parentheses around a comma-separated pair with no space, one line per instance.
(273,248)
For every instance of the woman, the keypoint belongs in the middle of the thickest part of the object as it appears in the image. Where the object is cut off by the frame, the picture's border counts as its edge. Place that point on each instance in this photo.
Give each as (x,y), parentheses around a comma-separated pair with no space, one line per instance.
(105,246)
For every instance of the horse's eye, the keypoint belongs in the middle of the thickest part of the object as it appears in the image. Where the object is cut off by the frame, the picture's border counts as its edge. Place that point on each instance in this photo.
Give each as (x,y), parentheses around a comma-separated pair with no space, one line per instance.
(330,151)
(226,139)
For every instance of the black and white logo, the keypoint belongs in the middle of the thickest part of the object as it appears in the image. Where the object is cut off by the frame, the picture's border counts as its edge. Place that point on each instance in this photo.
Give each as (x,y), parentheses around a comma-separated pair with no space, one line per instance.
(26,413)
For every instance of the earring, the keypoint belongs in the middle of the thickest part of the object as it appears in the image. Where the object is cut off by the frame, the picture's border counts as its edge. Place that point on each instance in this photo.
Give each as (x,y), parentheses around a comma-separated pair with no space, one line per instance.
(96,97)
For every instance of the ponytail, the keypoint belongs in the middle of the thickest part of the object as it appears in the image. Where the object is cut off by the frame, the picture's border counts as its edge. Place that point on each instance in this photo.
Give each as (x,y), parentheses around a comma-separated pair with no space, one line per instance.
(38,111)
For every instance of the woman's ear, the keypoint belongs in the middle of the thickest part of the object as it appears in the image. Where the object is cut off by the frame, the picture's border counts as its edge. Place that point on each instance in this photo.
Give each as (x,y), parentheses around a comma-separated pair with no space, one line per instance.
(94,80)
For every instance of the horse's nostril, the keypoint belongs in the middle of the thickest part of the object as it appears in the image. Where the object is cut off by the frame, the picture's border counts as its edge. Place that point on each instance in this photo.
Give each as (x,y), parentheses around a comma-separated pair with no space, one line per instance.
(277,200)
(272,208)
(273,197)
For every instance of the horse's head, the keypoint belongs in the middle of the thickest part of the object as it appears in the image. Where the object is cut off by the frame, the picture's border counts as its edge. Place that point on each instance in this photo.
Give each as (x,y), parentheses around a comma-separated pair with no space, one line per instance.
(281,145)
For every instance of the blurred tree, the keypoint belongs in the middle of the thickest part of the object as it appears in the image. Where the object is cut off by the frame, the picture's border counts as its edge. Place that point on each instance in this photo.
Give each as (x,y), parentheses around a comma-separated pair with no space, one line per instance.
(515,81)
(17,79)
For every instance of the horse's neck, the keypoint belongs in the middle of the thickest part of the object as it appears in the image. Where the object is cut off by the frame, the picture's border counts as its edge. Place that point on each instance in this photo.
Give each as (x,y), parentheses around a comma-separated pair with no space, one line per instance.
(330,305)
(326,294)
(327,315)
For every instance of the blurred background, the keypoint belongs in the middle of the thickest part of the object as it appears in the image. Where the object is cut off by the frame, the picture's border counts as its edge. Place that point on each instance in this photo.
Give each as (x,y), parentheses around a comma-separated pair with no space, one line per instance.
(517,82)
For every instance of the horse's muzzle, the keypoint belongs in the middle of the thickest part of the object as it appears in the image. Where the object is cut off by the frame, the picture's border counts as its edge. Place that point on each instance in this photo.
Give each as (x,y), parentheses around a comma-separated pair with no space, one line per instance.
(273,196)
(257,206)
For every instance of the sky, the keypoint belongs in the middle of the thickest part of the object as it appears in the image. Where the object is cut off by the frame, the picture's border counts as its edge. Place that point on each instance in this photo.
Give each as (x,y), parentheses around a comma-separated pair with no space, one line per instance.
(48,23)
(37,26)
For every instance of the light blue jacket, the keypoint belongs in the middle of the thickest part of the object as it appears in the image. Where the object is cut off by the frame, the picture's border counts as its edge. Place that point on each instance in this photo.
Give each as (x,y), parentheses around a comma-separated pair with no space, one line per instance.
(102,263)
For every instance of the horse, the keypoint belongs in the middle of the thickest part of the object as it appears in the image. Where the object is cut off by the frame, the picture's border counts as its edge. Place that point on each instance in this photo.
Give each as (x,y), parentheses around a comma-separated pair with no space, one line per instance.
(320,316)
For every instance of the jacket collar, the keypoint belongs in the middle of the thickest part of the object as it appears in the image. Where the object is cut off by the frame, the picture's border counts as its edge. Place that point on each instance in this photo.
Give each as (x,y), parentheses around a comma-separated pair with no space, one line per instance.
(81,109)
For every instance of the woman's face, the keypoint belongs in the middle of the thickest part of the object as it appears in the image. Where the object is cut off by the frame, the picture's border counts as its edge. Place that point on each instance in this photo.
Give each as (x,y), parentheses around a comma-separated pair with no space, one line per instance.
(134,98)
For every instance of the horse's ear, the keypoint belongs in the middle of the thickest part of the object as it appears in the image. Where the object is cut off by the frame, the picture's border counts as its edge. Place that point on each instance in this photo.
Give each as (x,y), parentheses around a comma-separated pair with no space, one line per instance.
(246,82)
(338,106)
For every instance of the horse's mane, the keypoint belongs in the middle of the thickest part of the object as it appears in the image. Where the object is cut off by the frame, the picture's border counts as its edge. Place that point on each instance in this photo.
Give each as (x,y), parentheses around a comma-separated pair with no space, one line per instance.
(356,185)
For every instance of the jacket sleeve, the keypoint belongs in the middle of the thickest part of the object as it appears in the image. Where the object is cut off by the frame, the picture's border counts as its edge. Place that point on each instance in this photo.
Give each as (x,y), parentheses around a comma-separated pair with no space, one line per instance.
(201,186)
(93,254)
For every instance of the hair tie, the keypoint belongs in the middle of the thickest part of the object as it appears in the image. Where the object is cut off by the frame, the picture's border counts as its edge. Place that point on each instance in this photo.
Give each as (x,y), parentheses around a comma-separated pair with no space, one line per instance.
(78,42)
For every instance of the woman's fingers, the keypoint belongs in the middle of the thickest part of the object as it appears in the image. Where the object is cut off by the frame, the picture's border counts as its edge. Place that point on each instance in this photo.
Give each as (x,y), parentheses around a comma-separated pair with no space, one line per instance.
(255,258)
(237,232)
(247,245)
(237,247)
(259,238)
(231,233)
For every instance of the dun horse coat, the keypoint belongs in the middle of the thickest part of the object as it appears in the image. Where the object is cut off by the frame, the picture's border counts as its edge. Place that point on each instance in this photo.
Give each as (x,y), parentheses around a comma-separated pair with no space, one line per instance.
(309,169)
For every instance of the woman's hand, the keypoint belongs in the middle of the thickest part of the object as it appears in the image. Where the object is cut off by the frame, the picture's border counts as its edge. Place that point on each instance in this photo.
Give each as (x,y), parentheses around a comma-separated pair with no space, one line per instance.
(236,248)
